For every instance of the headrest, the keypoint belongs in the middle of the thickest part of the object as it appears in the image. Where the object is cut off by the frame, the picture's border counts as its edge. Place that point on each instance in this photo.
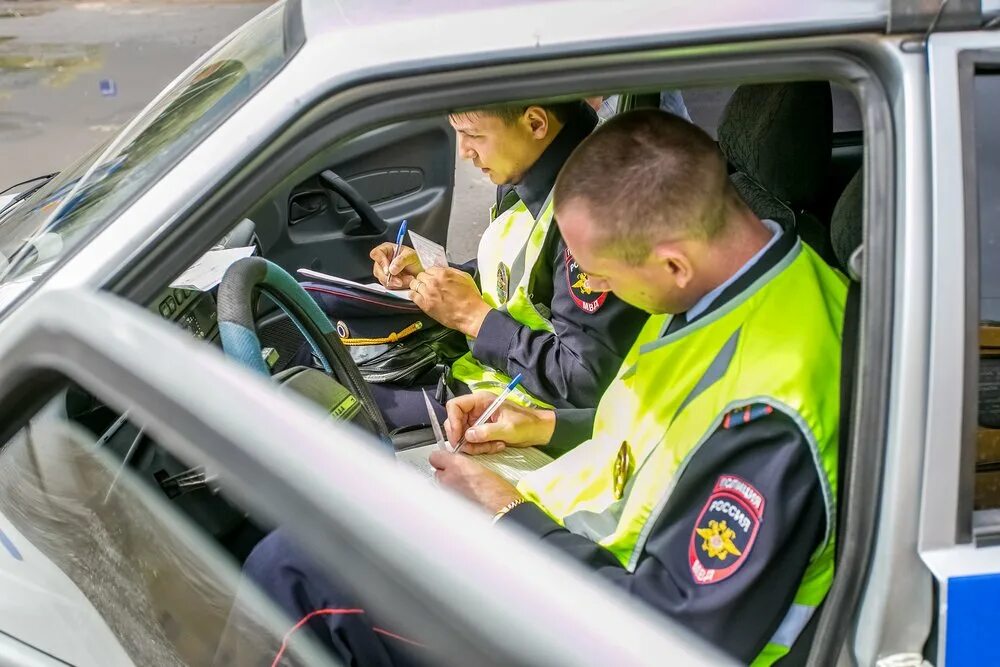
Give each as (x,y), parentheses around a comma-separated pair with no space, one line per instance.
(845,224)
(781,135)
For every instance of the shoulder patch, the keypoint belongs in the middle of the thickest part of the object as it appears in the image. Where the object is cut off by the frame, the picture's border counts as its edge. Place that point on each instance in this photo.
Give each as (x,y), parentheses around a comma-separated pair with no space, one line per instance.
(725,530)
(745,415)
(585,298)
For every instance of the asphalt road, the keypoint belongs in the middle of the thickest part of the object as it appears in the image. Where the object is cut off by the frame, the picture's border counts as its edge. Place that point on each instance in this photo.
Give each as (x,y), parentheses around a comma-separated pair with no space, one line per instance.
(71,73)
(54,57)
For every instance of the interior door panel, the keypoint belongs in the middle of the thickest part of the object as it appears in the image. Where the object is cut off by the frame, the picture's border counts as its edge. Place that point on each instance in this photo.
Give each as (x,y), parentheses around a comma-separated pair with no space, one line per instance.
(403,171)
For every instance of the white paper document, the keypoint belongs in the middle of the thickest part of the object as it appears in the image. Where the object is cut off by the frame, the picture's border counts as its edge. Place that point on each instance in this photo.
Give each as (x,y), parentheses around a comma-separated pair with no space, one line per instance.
(431,254)
(373,288)
(207,272)
(512,463)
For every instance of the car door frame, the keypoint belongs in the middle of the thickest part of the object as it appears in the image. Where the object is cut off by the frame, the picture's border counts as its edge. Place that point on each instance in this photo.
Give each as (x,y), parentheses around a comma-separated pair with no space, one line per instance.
(951,542)
(325,482)
(137,253)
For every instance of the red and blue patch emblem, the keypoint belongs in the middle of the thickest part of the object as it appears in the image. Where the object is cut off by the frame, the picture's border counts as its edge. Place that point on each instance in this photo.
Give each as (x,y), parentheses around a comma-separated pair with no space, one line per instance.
(585,298)
(725,530)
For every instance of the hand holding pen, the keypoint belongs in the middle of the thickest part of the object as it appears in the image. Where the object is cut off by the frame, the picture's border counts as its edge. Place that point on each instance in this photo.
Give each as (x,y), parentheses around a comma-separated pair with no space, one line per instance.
(394,264)
(491,409)
(509,425)
(400,235)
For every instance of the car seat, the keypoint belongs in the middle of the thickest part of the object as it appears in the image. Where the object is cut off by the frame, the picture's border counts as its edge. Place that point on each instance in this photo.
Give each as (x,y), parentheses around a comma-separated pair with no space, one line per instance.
(779,138)
(846,231)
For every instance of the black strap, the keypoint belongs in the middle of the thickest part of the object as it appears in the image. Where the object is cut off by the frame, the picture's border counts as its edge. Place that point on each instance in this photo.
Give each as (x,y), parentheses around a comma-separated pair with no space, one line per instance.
(848,363)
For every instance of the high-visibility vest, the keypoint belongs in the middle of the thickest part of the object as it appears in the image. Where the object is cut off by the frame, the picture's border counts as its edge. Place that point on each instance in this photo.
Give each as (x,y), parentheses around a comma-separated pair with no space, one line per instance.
(776,345)
(508,252)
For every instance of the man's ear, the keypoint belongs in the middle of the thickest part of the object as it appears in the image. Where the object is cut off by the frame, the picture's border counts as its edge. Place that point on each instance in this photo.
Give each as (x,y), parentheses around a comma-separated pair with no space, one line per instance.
(674,263)
(537,121)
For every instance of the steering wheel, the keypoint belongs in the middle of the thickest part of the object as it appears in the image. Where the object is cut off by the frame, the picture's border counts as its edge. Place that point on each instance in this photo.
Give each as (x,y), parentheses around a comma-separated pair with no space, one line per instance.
(238,327)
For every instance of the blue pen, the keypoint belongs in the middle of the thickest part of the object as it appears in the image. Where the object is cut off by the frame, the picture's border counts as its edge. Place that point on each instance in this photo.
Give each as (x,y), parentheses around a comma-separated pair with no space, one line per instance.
(399,241)
(395,253)
(493,407)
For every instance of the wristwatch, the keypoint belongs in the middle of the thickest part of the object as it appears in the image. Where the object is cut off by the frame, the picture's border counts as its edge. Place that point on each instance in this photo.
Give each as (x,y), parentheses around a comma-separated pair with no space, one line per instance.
(506,508)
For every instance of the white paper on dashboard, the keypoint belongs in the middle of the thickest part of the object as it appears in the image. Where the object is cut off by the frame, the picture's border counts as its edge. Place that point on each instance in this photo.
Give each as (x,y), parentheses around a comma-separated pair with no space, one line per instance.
(431,254)
(373,288)
(207,272)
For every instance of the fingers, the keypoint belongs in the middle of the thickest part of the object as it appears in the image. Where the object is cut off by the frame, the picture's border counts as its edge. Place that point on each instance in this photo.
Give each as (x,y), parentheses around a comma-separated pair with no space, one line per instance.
(490,432)
(435,276)
(477,449)
(382,251)
(378,270)
(451,462)
(424,292)
(442,460)
(463,411)
(407,259)
(394,273)
(380,256)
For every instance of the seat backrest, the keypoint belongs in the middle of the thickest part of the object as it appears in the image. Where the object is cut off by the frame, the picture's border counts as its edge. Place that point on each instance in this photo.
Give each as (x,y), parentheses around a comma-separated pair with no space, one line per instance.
(846,234)
(779,139)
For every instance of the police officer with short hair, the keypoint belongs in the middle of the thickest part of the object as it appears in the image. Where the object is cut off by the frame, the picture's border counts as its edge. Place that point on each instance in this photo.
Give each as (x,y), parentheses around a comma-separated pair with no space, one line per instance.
(531,311)
(704,482)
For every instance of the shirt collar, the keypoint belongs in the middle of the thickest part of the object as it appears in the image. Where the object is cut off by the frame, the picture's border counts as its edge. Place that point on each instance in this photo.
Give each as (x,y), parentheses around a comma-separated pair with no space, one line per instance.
(706,301)
(537,182)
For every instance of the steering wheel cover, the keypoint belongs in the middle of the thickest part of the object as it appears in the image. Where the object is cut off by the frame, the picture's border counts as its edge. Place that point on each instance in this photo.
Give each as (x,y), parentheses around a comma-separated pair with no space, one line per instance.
(238,328)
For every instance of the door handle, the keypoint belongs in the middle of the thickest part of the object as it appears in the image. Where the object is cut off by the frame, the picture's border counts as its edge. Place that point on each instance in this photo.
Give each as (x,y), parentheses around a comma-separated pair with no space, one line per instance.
(307,204)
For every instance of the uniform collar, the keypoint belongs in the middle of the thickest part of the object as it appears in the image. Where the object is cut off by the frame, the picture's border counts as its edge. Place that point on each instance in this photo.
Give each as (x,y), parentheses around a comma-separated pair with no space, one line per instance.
(537,182)
(771,256)
(706,301)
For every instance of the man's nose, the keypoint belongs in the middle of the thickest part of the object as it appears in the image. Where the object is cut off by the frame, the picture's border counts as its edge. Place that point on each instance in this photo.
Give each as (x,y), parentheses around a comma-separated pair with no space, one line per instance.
(464,149)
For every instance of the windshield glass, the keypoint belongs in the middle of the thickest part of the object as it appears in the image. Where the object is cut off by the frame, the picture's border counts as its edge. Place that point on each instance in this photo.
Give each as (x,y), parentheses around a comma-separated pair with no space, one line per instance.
(85,196)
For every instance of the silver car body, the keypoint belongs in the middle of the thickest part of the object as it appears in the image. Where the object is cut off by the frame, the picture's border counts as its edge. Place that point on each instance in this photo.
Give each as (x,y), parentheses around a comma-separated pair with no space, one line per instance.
(365,62)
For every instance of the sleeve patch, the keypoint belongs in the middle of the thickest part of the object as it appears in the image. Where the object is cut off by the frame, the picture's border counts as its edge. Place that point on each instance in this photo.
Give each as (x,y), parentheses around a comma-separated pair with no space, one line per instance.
(585,298)
(745,415)
(725,530)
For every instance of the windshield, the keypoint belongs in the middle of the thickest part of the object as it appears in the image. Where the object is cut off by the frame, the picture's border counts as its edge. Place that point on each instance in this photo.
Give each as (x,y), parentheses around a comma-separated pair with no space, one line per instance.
(85,196)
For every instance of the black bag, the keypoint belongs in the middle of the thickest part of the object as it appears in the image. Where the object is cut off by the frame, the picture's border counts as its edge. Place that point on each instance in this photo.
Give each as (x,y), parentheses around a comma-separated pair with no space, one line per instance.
(390,339)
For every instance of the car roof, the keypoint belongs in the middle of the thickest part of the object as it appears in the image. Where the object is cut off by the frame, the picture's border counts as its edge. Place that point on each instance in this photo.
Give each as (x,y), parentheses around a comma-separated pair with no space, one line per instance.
(348,37)
(445,27)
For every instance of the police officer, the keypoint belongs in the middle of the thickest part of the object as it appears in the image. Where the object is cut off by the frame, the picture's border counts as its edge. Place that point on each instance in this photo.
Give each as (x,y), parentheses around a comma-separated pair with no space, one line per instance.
(704,482)
(707,484)
(531,312)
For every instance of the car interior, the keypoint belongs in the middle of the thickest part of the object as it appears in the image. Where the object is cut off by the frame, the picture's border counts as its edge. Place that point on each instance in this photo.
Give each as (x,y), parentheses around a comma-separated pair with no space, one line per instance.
(795,151)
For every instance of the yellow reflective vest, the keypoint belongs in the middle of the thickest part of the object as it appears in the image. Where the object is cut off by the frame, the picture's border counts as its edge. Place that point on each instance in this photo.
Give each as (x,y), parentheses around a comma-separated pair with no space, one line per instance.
(508,252)
(778,344)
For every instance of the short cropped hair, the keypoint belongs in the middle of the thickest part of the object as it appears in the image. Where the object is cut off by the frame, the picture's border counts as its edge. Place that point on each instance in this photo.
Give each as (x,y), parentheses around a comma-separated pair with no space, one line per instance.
(648,175)
(509,113)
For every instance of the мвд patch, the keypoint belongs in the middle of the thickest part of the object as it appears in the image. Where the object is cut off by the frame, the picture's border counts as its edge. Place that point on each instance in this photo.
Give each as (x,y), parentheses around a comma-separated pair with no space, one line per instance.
(725,530)
(585,298)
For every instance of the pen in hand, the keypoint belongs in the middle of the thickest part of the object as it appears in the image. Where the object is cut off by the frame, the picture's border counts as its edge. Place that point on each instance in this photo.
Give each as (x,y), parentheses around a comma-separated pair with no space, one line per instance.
(491,409)
(395,253)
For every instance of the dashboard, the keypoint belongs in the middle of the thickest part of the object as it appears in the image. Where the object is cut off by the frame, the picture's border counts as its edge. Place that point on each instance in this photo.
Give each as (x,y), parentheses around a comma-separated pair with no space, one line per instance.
(193,311)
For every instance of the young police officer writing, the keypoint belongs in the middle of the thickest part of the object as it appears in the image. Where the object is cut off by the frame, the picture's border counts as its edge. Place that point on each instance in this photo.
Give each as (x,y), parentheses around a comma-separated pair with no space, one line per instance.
(531,312)
(704,482)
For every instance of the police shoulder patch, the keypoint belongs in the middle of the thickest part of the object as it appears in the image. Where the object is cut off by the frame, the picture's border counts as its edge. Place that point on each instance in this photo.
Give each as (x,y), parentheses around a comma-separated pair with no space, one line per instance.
(585,298)
(725,530)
